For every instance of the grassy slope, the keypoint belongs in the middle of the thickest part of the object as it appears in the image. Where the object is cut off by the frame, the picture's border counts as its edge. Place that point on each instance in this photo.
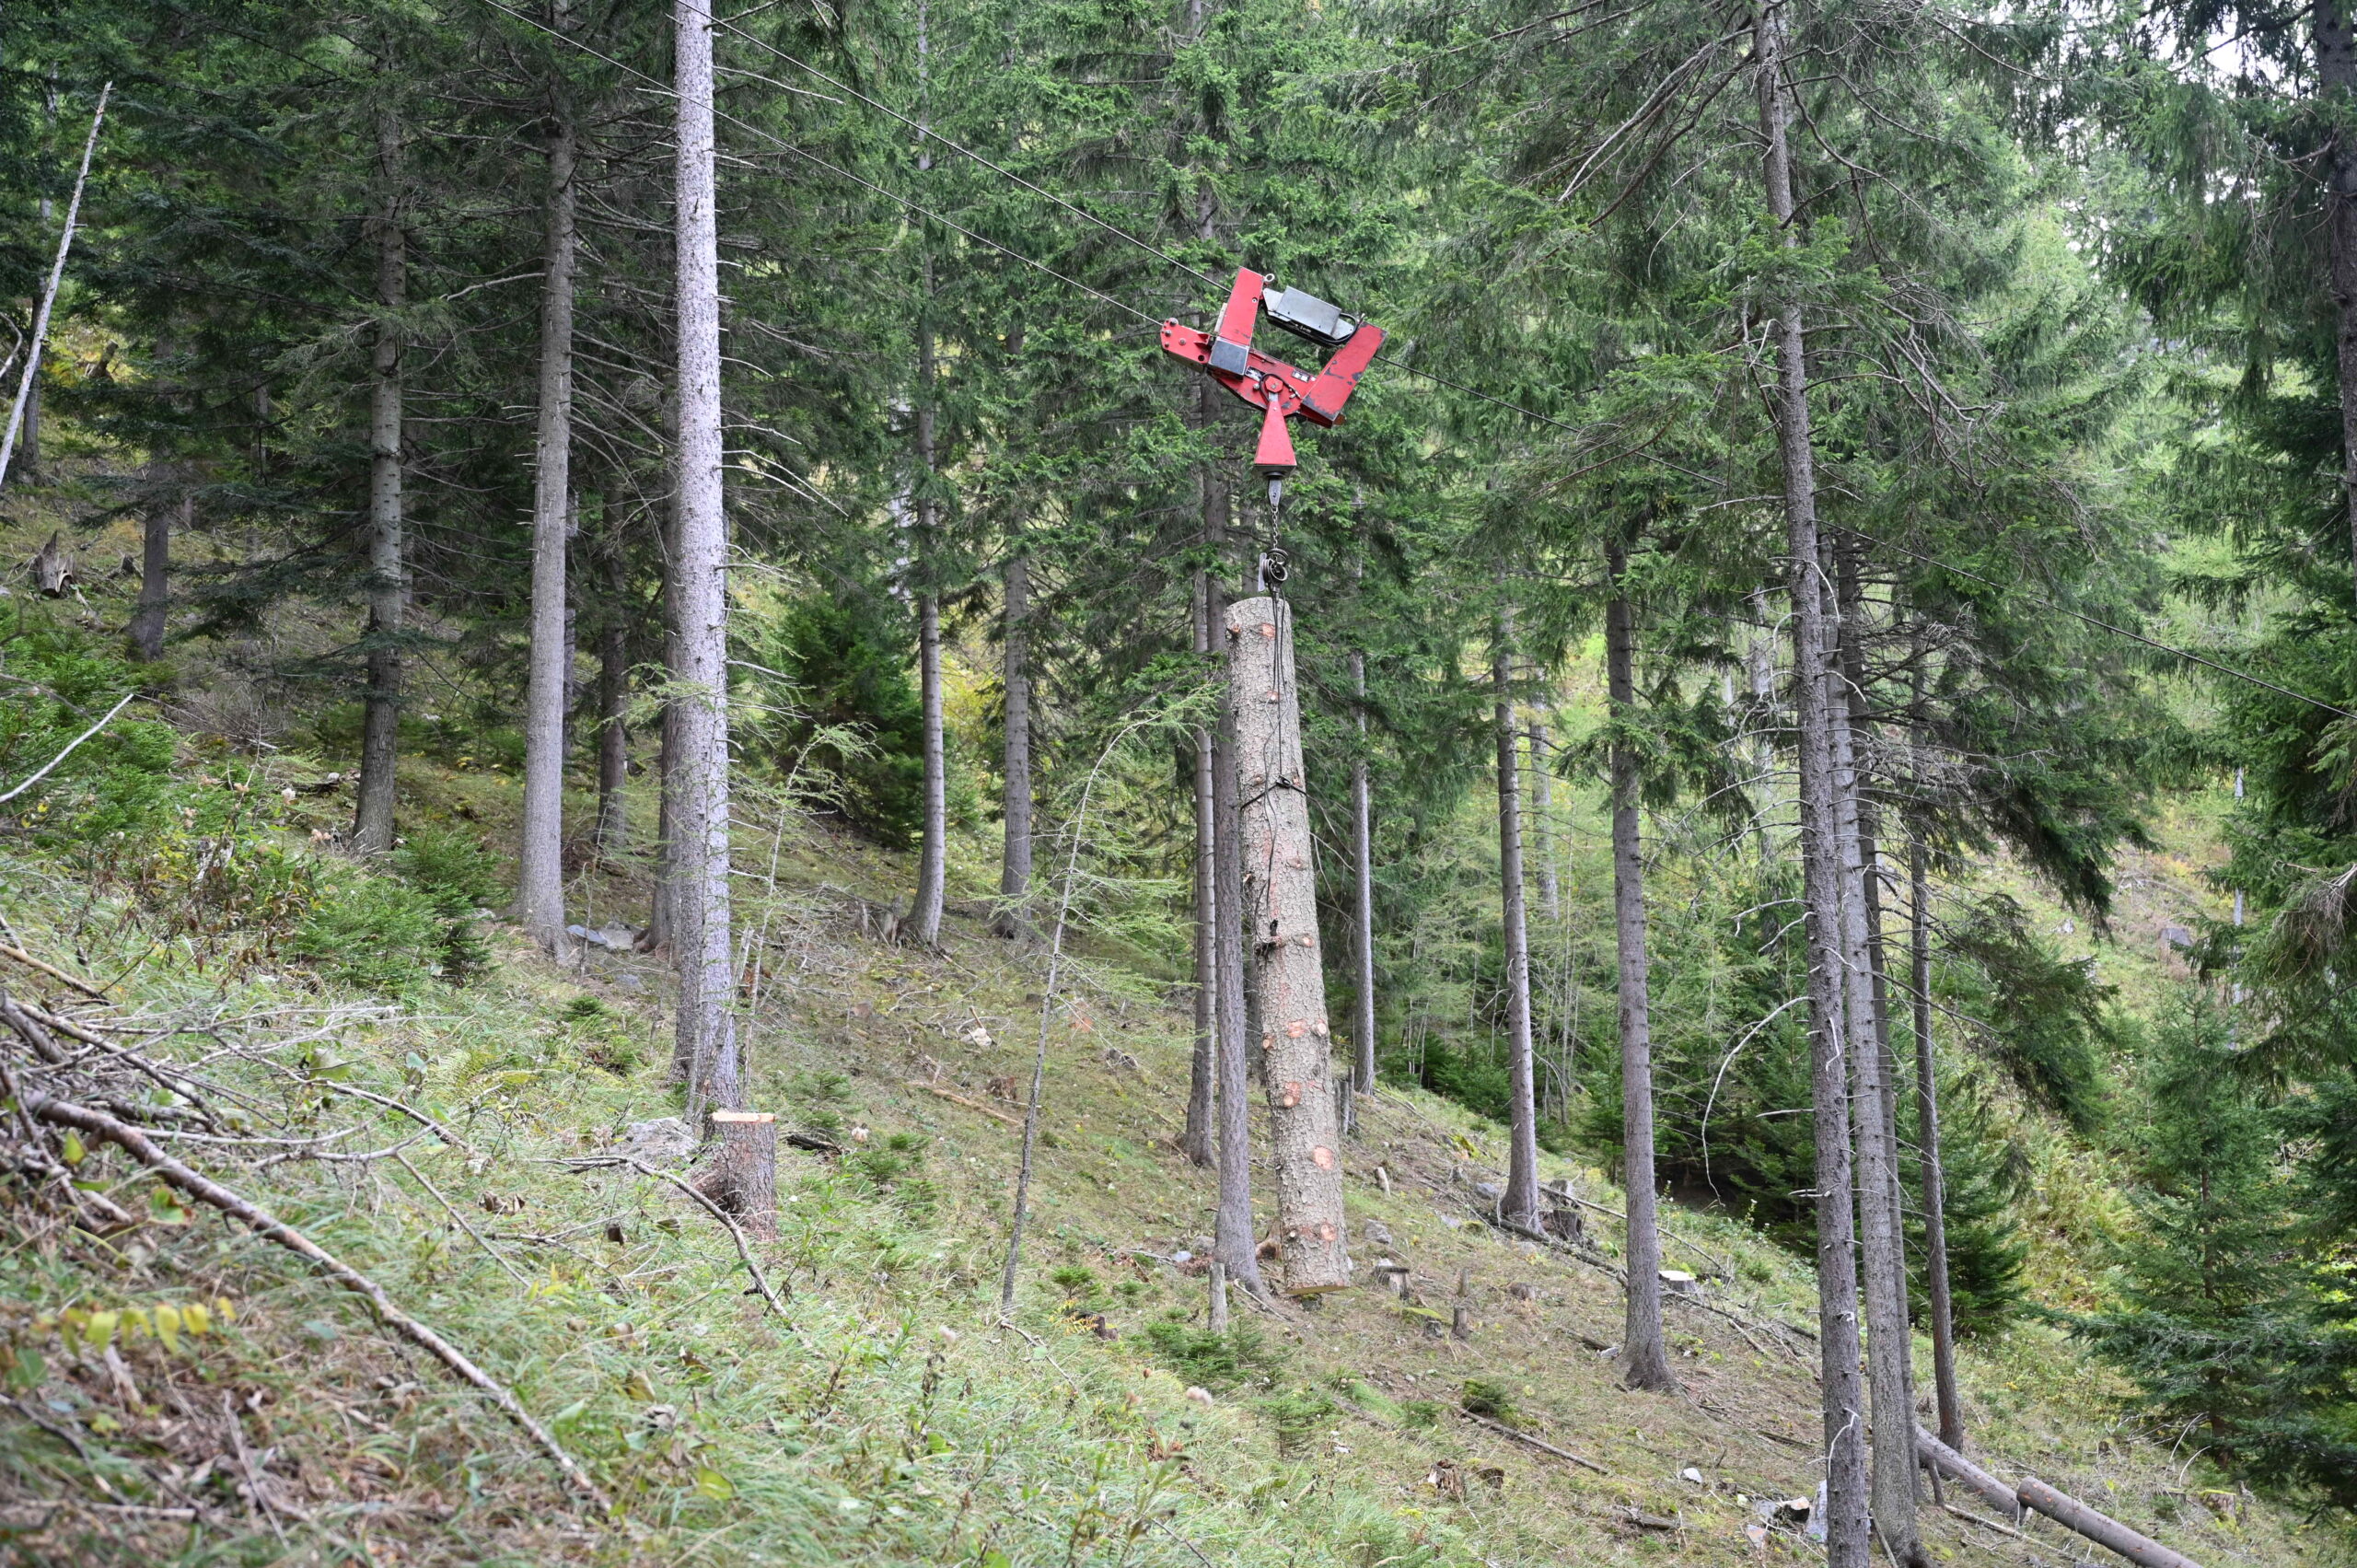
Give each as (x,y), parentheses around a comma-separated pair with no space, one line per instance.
(889,1419)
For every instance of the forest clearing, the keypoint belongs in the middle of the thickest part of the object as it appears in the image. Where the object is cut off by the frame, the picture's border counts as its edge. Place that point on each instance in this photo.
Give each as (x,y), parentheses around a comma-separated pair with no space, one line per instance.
(1399,782)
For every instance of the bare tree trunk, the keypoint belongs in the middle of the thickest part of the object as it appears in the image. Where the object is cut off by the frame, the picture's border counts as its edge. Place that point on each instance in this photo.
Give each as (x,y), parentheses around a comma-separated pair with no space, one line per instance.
(2337,75)
(705,955)
(1288,971)
(372,830)
(1646,1353)
(742,1176)
(539,895)
(613,733)
(1941,1303)
(155,570)
(1846,1545)
(1363,890)
(1198,1140)
(1889,1342)
(932,856)
(1543,818)
(1015,858)
(1520,1203)
(1234,1244)
(28,386)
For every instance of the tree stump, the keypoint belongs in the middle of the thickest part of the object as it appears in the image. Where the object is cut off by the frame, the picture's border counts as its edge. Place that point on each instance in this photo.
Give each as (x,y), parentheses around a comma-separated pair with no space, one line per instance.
(742,1176)
(1279,907)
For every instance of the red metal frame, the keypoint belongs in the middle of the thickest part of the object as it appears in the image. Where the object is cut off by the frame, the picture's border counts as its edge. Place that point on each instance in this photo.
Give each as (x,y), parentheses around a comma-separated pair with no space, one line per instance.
(1278,389)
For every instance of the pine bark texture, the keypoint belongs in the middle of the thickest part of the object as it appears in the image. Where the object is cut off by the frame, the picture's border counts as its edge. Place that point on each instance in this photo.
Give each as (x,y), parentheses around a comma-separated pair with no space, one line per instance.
(1235,1244)
(1889,1343)
(1014,858)
(742,1175)
(539,895)
(701,906)
(1542,822)
(1646,1353)
(932,854)
(372,830)
(1519,1204)
(1288,970)
(1847,1544)
(1198,1140)
(154,571)
(1941,1301)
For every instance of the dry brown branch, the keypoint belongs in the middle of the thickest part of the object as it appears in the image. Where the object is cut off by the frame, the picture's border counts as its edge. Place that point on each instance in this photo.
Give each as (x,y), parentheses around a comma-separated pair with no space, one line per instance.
(59,1112)
(735,1232)
(1527,1440)
(59,975)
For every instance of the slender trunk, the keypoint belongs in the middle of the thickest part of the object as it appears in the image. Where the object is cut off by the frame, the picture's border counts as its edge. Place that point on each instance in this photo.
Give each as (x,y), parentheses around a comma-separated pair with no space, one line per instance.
(1837,1279)
(540,895)
(155,570)
(1520,1203)
(1234,1245)
(1542,820)
(2337,75)
(1942,1304)
(933,862)
(1271,832)
(705,954)
(1015,858)
(1646,1354)
(1889,1342)
(28,384)
(1363,855)
(613,733)
(372,832)
(1198,1140)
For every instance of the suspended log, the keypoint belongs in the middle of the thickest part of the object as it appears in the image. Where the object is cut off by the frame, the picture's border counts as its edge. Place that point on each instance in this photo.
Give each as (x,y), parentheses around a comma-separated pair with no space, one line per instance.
(2101,1528)
(1938,1456)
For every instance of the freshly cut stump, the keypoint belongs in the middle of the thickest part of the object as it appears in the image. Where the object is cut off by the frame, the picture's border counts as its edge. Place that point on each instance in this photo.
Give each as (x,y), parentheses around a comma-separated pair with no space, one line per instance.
(742,1176)
(1280,932)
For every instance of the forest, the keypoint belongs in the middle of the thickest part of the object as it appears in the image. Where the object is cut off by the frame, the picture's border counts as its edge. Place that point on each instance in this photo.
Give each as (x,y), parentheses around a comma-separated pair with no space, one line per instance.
(1262,782)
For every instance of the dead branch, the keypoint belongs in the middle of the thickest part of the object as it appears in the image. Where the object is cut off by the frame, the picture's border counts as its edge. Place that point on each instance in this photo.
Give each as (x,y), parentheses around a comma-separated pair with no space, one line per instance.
(59,975)
(1527,1440)
(735,1232)
(96,1124)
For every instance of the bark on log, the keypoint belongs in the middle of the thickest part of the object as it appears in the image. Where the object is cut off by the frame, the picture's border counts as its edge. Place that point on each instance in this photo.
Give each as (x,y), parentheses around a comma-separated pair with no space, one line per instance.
(2100,1529)
(742,1176)
(1280,899)
(1938,1456)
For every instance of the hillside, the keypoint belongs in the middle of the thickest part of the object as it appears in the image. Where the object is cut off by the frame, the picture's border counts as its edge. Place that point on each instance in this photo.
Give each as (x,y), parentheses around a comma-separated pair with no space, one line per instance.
(885,1416)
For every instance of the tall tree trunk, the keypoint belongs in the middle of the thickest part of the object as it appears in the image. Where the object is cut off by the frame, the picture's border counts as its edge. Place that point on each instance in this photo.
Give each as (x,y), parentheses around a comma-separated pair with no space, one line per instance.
(613,733)
(27,402)
(1014,858)
(1363,890)
(706,957)
(933,855)
(1234,1246)
(1271,832)
(1198,1140)
(1520,1203)
(156,567)
(539,894)
(1889,1343)
(372,831)
(2337,75)
(1646,1353)
(1543,818)
(1942,1304)
(1837,1265)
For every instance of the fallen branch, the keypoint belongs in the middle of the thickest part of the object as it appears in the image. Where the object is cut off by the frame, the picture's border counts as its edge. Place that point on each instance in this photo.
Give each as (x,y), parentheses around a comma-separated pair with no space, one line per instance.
(969,1102)
(51,766)
(1503,1430)
(84,986)
(735,1232)
(96,1124)
(1971,1517)
(1935,1454)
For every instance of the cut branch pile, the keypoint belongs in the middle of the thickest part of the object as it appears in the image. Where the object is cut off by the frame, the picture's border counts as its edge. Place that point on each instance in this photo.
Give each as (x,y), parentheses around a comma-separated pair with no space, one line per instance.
(72,1082)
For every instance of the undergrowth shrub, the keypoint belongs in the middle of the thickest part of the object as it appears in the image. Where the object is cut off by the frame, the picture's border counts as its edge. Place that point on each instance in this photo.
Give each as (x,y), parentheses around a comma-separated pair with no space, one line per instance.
(1209,1358)
(455,875)
(1300,1418)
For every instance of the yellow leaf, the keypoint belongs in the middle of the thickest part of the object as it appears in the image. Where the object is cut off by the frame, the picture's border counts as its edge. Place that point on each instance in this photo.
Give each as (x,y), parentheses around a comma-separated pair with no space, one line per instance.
(713,1484)
(99,1332)
(638,1386)
(224,1310)
(195,1318)
(75,1152)
(168,1327)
